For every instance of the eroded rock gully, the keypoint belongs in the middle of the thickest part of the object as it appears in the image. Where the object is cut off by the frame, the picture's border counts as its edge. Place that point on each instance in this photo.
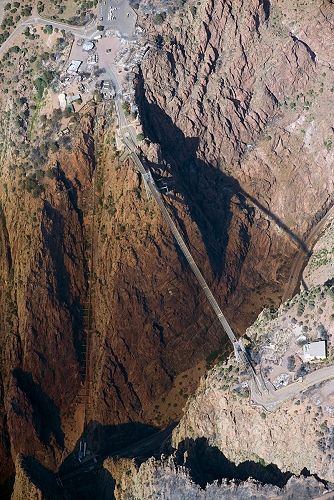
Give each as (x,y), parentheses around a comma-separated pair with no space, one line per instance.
(43,284)
(237,96)
(237,99)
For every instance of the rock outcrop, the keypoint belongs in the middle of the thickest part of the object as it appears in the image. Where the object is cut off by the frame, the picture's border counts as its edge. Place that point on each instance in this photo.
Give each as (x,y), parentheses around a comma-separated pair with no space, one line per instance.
(165,479)
(23,487)
(237,95)
(43,283)
(299,434)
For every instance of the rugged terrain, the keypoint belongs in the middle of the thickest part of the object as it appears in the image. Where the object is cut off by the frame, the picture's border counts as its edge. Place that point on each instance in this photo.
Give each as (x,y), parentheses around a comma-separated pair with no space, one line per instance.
(234,100)
(222,436)
(237,95)
(225,446)
(168,480)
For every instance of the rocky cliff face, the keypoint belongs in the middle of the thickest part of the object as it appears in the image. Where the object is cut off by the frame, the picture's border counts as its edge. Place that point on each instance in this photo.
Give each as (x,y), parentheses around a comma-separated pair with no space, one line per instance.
(93,257)
(299,434)
(223,437)
(237,96)
(165,479)
(146,317)
(43,287)
(234,99)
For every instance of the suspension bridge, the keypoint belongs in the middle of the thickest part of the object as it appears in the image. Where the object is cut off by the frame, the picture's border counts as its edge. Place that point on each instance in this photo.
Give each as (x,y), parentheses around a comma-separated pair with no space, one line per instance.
(237,344)
(86,460)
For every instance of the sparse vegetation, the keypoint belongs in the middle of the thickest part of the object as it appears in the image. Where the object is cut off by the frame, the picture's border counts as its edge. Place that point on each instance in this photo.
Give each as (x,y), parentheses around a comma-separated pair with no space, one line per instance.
(328,143)
(126,108)
(159,18)
(291,363)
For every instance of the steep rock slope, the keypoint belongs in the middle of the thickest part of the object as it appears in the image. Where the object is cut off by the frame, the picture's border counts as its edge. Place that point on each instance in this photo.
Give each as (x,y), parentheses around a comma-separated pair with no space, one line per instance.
(43,284)
(237,95)
(165,479)
(241,118)
(149,315)
(299,434)
(222,436)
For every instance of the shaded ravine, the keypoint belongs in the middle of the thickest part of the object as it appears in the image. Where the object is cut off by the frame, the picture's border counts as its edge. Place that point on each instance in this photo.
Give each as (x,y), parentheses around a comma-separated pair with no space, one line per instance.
(204,463)
(220,207)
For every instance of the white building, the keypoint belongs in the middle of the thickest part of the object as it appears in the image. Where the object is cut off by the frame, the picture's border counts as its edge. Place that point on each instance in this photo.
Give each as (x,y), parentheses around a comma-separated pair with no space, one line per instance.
(88,45)
(62,101)
(315,350)
(74,67)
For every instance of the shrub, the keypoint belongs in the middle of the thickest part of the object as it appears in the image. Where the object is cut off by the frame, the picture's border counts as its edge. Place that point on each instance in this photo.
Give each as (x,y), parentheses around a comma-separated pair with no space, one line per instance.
(193,10)
(126,107)
(26,11)
(328,143)
(32,186)
(291,363)
(52,173)
(159,18)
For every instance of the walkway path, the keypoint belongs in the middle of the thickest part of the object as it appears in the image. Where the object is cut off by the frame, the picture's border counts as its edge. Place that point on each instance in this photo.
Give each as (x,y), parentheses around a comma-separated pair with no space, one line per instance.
(177,235)
(237,344)
(268,398)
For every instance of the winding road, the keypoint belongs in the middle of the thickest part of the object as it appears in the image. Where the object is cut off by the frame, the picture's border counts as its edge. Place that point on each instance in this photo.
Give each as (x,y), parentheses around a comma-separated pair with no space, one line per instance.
(87,31)
(273,399)
(302,258)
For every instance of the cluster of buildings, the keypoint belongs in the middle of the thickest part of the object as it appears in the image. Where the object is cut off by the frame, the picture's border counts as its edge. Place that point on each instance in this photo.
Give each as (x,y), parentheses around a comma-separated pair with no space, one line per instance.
(86,46)
(312,352)
(76,81)
(107,89)
(288,358)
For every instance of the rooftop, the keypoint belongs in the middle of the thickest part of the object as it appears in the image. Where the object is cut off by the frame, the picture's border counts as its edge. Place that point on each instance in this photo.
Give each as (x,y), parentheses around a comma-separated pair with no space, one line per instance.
(74,66)
(315,350)
(88,45)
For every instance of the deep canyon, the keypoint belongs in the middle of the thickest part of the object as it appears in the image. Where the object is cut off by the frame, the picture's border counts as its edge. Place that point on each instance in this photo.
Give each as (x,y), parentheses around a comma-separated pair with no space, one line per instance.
(234,99)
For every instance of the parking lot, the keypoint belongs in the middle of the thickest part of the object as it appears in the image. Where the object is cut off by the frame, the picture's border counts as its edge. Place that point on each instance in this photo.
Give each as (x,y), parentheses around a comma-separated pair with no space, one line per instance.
(118,16)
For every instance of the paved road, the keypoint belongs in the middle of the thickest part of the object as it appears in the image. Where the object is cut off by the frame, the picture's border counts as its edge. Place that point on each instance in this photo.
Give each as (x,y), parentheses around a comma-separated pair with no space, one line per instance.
(123,125)
(87,31)
(301,258)
(272,399)
(124,23)
(327,496)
